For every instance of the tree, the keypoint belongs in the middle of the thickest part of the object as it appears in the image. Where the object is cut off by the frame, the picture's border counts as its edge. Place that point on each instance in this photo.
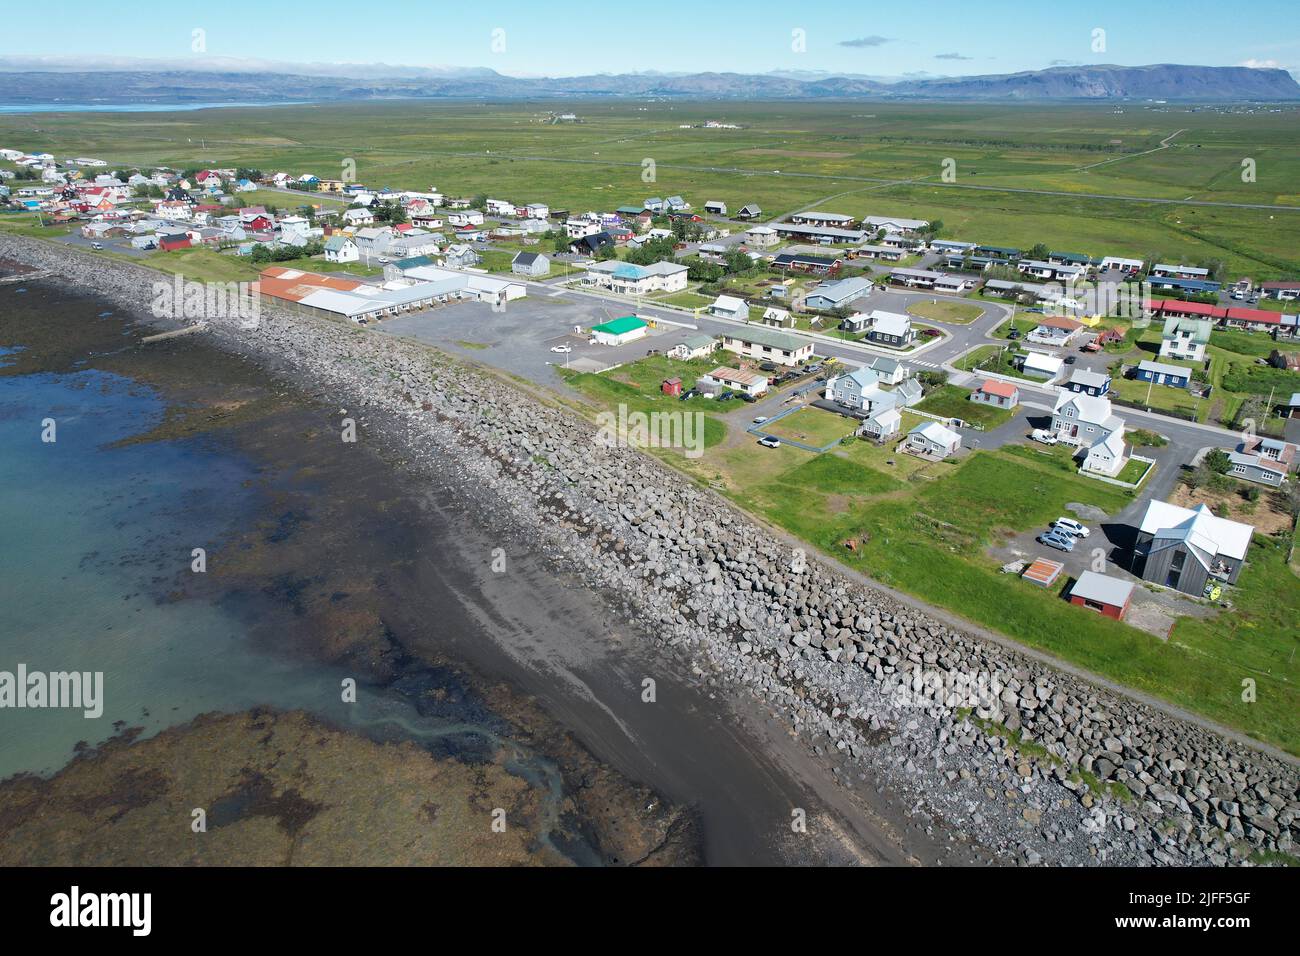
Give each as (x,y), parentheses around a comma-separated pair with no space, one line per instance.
(738,262)
(1217,460)
(479,202)
(1038,251)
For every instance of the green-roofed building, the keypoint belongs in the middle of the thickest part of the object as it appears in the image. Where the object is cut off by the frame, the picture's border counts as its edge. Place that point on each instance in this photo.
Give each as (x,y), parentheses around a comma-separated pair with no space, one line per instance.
(627,328)
(769,345)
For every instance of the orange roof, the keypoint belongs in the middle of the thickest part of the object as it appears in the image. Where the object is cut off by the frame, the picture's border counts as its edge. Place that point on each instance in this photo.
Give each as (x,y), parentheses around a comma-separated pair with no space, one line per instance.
(1044,571)
(994,387)
(295,285)
(1060,322)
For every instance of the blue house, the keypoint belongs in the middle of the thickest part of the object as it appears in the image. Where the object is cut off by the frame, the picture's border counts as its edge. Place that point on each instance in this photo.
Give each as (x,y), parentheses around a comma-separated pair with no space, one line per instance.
(1184,287)
(1162,374)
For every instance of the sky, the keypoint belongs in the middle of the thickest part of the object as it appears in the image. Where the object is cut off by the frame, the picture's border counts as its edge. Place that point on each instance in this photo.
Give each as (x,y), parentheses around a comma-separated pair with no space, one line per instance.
(926,37)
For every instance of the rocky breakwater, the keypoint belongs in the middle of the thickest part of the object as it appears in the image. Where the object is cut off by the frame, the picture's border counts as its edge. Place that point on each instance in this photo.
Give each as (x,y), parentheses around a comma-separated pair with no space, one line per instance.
(1027,762)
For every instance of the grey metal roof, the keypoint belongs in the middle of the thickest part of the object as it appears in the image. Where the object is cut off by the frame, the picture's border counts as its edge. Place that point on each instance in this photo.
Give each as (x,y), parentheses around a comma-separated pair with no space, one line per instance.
(1092,586)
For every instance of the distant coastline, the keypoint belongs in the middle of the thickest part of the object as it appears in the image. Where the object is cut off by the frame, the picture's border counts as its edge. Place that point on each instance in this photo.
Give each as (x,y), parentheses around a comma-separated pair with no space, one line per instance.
(14,108)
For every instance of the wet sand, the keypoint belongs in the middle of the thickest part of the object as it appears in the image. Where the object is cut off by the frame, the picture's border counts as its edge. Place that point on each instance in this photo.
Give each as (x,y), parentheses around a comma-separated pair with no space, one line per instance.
(361,561)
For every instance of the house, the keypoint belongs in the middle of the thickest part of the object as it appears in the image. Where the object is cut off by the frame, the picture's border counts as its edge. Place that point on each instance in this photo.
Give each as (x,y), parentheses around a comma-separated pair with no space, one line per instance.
(355,218)
(593,244)
(1041,365)
(1107,457)
(1107,596)
(761,237)
(931,440)
(996,393)
(908,392)
(1070,259)
(882,424)
(838,294)
(889,371)
(1189,549)
(1185,338)
(799,262)
(1184,287)
(834,219)
(530,264)
(915,278)
(694,346)
(1081,420)
(822,235)
(1054,330)
(715,206)
(1113,336)
(1161,373)
(749,211)
(174,242)
(855,389)
(1253,320)
(465,217)
(500,207)
(1164,270)
(1284,291)
(676,204)
(893,225)
(954,285)
(1051,271)
(1165,308)
(777,318)
(340,248)
(628,279)
(1267,461)
(891,328)
(730,307)
(1118,264)
(460,256)
(1088,382)
(880,253)
(620,331)
(769,345)
(737,380)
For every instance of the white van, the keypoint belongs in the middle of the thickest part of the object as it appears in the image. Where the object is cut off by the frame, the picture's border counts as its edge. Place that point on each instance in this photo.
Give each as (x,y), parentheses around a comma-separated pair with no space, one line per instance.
(1044,436)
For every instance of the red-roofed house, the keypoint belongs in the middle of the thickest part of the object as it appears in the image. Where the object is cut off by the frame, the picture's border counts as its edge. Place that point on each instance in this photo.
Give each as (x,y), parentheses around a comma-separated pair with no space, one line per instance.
(1256,320)
(996,393)
(172,243)
(1175,308)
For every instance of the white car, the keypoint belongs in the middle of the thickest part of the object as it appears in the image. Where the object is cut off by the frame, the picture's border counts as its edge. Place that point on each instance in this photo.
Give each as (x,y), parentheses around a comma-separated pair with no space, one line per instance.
(562,349)
(769,441)
(760,419)
(1071,527)
(1044,436)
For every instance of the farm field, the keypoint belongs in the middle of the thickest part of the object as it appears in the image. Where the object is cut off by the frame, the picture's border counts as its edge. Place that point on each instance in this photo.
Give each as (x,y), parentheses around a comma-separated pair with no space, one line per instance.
(1024,174)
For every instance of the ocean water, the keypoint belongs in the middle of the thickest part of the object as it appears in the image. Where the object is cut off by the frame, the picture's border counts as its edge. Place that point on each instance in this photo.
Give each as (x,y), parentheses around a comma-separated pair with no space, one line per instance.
(132,107)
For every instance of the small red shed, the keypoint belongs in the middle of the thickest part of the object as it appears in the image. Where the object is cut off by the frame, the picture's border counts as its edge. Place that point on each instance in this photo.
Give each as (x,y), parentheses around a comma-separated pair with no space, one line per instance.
(671,386)
(1108,596)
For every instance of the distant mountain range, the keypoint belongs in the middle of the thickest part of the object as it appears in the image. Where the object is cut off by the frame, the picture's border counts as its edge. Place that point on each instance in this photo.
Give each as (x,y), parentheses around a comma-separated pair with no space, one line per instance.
(1089,83)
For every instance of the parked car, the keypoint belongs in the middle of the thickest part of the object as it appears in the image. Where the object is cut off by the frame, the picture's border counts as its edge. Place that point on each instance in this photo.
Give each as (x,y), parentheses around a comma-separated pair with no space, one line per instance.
(1061,542)
(767,366)
(1044,436)
(769,441)
(689,393)
(97,245)
(1071,527)
(562,349)
(760,419)
(747,398)
(1069,360)
(1013,334)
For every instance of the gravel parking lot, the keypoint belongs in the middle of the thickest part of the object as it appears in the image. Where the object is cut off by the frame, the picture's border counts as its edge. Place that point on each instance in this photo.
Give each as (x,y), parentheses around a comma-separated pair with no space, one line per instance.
(519,339)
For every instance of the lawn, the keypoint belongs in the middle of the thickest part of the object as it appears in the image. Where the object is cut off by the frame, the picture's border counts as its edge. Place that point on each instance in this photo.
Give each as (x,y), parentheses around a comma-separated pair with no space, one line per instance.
(953,402)
(812,426)
(943,310)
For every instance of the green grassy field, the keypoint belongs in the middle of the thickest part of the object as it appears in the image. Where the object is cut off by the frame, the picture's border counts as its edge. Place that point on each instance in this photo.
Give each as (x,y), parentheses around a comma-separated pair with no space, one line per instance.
(926,527)
(954,402)
(943,310)
(787,156)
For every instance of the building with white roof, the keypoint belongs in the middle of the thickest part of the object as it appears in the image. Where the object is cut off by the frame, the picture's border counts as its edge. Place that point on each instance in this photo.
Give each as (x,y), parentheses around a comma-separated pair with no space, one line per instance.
(1189,549)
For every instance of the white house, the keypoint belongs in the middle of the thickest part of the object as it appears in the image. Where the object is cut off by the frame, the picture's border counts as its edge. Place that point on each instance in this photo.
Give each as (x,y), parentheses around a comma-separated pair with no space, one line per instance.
(629,279)
(854,389)
(358,217)
(761,237)
(891,328)
(1041,365)
(694,346)
(1083,420)
(883,424)
(932,440)
(1183,338)
(737,380)
(1107,456)
(341,249)
(467,217)
(764,344)
(627,328)
(530,264)
(730,307)
(889,371)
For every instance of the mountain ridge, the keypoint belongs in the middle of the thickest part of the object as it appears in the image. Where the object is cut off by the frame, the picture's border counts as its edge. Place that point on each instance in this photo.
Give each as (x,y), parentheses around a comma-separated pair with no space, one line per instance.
(1098,83)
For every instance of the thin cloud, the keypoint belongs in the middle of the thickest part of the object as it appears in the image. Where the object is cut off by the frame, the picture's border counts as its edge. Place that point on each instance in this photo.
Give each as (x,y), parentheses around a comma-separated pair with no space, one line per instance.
(1254,64)
(867,41)
(952,56)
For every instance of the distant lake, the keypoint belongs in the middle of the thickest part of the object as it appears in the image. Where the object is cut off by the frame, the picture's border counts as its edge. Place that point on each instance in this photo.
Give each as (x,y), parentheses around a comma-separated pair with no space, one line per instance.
(129,107)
